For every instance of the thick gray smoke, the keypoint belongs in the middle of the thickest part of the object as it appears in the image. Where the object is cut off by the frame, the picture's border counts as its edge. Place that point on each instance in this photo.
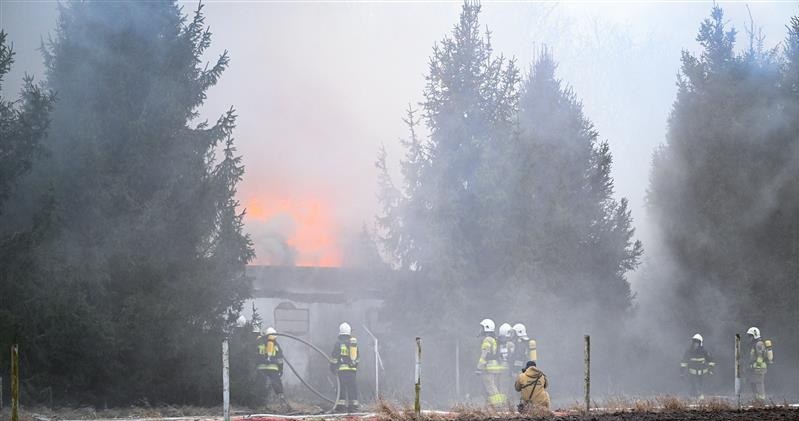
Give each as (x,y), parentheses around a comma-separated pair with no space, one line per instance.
(318,87)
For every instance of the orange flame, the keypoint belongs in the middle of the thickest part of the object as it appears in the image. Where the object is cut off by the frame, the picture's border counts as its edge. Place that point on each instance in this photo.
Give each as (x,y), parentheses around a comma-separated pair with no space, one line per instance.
(312,233)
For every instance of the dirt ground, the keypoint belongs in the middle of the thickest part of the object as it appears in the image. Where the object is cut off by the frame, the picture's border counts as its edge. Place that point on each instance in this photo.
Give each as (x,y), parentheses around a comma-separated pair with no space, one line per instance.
(766,414)
(771,414)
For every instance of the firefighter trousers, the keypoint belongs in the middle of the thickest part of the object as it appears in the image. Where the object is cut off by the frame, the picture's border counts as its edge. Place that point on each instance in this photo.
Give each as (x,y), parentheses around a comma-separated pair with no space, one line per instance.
(348,394)
(757,382)
(490,384)
(696,383)
(271,381)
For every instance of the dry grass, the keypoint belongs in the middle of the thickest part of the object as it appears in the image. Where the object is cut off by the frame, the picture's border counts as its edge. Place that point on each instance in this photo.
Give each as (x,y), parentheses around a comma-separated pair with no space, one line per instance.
(644,405)
(665,403)
(670,403)
(88,413)
(393,411)
(716,404)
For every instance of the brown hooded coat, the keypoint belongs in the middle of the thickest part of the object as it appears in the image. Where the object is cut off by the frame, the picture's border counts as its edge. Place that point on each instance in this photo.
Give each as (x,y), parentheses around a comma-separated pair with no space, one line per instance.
(532,384)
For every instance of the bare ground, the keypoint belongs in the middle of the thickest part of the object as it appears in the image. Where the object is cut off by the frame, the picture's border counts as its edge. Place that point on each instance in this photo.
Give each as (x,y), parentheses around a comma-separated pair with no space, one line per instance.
(770,414)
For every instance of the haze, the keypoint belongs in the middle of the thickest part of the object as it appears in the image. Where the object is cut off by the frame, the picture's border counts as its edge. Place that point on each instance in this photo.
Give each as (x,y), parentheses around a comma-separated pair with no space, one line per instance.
(320,86)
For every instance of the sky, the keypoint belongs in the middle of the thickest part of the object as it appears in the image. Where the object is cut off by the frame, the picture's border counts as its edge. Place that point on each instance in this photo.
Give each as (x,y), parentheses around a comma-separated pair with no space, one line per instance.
(318,87)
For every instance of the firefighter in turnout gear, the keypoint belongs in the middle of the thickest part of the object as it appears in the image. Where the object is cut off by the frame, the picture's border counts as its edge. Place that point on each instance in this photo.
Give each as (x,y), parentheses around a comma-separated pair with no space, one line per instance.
(524,348)
(697,364)
(488,366)
(344,361)
(532,385)
(760,356)
(270,366)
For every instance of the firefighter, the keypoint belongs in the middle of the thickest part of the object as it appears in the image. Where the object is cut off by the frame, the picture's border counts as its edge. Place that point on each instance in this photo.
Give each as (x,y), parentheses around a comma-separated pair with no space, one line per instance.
(344,361)
(488,366)
(760,356)
(270,365)
(505,347)
(532,385)
(524,349)
(697,364)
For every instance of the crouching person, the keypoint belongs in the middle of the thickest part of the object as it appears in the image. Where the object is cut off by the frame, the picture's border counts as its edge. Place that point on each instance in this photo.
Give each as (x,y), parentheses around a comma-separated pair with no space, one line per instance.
(532,385)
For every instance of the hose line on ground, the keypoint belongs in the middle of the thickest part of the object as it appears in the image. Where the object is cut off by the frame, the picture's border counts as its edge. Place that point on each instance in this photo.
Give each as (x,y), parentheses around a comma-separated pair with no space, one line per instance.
(311,388)
(322,353)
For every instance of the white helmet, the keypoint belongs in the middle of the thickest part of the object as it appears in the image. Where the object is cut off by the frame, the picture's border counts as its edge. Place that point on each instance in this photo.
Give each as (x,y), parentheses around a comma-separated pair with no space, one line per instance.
(521,331)
(487,325)
(755,332)
(269,331)
(698,337)
(504,330)
(344,329)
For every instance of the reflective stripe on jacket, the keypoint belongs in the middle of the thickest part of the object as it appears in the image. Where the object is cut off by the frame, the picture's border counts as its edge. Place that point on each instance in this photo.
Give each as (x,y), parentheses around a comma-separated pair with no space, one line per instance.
(697,361)
(757,356)
(488,356)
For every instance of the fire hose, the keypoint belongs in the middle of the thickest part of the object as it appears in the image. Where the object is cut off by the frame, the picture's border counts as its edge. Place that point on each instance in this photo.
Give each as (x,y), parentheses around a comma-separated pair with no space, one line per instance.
(311,388)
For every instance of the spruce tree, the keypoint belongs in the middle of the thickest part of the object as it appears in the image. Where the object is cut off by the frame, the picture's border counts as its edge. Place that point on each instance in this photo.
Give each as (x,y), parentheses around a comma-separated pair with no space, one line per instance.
(578,237)
(150,252)
(23,124)
(723,188)
(434,222)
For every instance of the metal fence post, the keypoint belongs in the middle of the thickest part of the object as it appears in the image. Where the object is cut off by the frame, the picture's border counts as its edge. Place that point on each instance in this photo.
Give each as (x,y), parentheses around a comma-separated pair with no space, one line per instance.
(378,362)
(15,382)
(417,407)
(457,369)
(587,374)
(225,381)
(738,369)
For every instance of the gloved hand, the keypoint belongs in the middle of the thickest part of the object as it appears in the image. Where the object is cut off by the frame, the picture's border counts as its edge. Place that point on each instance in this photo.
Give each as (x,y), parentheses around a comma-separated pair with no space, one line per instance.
(478,372)
(280,374)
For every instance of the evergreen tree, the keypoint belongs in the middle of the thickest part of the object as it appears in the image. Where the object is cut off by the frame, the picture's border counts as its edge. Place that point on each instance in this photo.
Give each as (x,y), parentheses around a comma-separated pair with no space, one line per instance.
(136,284)
(432,223)
(506,207)
(23,123)
(577,236)
(723,188)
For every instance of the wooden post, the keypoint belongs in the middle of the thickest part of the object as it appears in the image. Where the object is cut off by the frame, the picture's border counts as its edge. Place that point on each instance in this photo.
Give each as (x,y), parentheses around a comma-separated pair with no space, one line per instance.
(738,369)
(377,371)
(225,381)
(587,374)
(457,370)
(15,382)
(417,406)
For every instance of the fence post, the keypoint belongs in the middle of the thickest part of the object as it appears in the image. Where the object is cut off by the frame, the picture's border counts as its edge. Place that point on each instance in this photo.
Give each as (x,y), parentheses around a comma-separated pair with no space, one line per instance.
(417,407)
(378,363)
(738,369)
(587,374)
(457,369)
(225,381)
(15,382)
